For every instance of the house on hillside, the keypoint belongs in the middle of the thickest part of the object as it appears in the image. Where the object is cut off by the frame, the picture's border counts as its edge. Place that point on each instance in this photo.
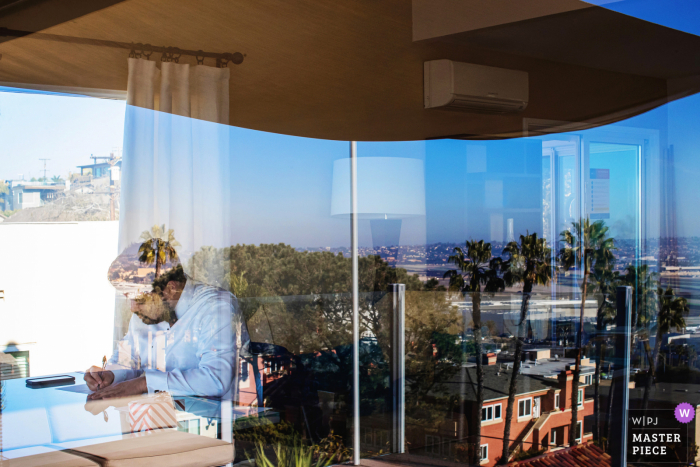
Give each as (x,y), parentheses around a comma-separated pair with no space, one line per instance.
(541,416)
(23,194)
(111,167)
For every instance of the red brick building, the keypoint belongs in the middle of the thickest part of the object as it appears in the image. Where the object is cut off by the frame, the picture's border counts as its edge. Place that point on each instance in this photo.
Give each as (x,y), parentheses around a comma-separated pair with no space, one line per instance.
(541,415)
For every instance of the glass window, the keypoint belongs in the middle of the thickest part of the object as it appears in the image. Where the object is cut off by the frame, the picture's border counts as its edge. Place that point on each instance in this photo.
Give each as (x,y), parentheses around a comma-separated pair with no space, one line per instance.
(556,400)
(579,430)
(497,411)
(524,407)
(484,452)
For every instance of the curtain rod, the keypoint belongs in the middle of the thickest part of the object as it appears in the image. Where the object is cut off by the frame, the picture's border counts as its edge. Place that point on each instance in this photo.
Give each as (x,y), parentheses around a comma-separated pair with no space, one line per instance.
(137,50)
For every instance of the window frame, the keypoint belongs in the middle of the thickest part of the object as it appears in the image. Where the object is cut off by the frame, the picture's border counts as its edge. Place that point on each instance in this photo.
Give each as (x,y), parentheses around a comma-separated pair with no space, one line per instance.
(557,401)
(491,409)
(523,401)
(581,396)
(580,431)
(483,449)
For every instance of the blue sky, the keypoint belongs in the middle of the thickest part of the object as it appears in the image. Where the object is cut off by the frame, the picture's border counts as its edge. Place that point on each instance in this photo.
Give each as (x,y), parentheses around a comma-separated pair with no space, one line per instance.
(281,185)
(683,15)
(65,129)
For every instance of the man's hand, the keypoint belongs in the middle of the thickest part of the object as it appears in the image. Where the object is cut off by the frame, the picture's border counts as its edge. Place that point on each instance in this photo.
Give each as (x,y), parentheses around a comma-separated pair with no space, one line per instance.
(131,387)
(97,378)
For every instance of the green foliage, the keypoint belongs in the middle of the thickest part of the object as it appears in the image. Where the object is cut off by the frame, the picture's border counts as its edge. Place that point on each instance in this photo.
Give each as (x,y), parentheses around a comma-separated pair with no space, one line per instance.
(671,311)
(586,244)
(33,179)
(56,179)
(289,449)
(644,283)
(476,268)
(529,262)
(9,212)
(297,455)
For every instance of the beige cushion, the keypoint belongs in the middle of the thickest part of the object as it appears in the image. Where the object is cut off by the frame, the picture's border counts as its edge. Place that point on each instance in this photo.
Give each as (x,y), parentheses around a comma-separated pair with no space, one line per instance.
(164,447)
(49,459)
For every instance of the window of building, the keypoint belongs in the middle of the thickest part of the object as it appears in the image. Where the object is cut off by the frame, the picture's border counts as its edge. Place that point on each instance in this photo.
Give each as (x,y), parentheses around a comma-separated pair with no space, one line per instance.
(525,407)
(556,401)
(21,198)
(553,437)
(580,397)
(579,430)
(588,380)
(491,412)
(484,452)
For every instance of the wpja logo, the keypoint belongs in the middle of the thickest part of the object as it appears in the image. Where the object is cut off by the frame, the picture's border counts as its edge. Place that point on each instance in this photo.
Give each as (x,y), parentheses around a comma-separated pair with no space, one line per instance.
(656,436)
(684,412)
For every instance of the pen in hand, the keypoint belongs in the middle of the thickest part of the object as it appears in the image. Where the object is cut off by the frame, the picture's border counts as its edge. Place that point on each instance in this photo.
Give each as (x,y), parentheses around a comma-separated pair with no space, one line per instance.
(104,365)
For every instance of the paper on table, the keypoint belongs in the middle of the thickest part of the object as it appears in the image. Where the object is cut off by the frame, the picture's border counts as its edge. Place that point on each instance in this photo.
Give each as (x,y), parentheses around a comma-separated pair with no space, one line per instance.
(79,388)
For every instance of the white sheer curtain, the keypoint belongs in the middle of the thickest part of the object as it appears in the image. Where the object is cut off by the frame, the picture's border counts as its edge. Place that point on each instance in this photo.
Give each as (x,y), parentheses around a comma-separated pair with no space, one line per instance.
(176,163)
(176,154)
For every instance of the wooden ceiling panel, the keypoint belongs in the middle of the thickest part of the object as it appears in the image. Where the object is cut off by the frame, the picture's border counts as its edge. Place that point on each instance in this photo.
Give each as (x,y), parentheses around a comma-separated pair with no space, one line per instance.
(324,69)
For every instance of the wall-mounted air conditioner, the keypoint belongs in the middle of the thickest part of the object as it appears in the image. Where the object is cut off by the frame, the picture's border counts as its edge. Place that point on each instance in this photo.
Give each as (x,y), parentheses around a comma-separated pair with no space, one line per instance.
(467,87)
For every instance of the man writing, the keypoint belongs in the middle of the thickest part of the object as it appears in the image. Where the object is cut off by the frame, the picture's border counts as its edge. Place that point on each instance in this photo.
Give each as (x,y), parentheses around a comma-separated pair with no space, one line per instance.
(183,338)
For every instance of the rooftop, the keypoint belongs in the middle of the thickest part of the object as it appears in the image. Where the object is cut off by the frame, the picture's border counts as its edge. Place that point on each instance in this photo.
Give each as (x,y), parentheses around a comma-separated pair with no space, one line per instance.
(586,454)
(496,379)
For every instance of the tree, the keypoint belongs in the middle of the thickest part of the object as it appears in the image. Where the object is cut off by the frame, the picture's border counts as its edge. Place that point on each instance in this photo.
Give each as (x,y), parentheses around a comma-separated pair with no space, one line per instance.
(604,282)
(33,179)
(4,189)
(583,246)
(158,246)
(477,268)
(671,311)
(56,179)
(529,262)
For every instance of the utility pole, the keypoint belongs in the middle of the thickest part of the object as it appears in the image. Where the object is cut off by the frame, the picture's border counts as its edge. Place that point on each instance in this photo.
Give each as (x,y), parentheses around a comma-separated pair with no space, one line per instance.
(44,168)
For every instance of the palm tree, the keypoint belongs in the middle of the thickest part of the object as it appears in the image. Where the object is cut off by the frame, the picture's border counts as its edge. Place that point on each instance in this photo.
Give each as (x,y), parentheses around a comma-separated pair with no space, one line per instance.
(529,263)
(671,311)
(644,284)
(584,245)
(476,269)
(604,283)
(56,179)
(158,246)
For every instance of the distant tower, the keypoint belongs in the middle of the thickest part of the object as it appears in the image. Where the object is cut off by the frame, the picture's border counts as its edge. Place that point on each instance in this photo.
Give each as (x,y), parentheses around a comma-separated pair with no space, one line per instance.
(510,237)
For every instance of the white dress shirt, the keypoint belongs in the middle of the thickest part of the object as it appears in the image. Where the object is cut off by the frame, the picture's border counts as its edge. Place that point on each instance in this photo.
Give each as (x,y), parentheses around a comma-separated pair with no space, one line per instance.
(197,356)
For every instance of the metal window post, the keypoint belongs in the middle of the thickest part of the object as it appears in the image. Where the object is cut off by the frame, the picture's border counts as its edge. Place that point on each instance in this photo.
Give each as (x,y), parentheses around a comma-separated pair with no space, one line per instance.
(398,367)
(621,376)
(355,307)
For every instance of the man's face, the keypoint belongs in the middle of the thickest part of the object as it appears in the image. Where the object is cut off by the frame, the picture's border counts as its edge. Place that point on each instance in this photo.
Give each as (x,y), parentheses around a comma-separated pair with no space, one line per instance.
(155,307)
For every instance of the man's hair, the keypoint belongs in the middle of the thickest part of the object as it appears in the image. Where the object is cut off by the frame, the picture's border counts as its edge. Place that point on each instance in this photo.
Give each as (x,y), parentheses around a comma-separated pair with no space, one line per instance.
(176,274)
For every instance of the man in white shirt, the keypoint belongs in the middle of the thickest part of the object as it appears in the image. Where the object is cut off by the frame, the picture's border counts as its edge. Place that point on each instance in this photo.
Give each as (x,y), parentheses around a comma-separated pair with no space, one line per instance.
(184,338)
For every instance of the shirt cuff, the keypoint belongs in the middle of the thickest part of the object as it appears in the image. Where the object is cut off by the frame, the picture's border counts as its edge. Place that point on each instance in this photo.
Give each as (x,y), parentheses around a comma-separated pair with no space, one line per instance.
(156,381)
(120,373)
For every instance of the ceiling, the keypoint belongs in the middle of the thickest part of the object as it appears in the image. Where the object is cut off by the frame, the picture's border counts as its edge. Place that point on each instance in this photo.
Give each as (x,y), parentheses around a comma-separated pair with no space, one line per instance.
(352,70)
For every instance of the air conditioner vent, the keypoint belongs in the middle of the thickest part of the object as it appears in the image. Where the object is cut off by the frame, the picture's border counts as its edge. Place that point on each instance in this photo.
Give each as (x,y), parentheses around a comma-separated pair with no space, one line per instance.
(467,87)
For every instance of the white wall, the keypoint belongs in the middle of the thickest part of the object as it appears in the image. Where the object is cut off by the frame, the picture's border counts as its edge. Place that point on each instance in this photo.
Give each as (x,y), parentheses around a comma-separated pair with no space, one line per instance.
(58,300)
